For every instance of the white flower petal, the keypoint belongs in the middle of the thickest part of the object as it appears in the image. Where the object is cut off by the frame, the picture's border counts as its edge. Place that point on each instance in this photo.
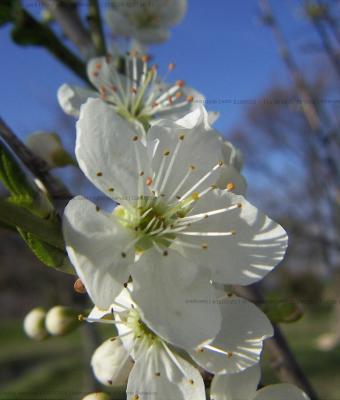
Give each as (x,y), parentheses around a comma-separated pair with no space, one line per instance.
(199,151)
(96,244)
(255,246)
(240,341)
(98,313)
(174,295)
(105,150)
(213,116)
(72,97)
(282,391)
(241,386)
(156,375)
(230,176)
(232,155)
(173,114)
(111,363)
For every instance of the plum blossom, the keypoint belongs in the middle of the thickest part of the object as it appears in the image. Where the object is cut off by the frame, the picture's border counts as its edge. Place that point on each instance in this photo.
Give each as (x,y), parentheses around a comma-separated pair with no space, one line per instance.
(147,21)
(161,368)
(171,217)
(139,94)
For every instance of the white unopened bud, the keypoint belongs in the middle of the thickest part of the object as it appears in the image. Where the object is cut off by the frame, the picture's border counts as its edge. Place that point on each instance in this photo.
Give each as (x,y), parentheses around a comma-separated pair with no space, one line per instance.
(48,146)
(61,320)
(97,396)
(34,324)
(111,363)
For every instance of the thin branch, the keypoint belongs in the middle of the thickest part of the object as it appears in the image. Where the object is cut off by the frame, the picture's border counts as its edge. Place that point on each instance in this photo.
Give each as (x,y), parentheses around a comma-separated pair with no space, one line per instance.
(96,27)
(282,357)
(51,42)
(34,164)
(67,17)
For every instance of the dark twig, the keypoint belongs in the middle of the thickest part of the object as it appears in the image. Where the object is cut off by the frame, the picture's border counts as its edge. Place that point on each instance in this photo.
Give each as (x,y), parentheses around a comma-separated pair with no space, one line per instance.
(96,27)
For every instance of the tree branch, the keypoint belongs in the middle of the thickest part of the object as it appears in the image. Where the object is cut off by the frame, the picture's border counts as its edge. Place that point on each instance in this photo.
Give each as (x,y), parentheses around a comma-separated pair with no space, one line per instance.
(96,27)
(67,17)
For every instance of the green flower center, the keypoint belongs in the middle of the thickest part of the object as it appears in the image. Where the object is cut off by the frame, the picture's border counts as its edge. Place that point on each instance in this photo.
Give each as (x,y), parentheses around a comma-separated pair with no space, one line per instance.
(154,221)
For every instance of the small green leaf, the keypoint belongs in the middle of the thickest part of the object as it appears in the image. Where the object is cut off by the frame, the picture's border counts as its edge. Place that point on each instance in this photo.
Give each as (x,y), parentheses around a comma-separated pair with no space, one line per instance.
(46,253)
(47,230)
(12,176)
(24,191)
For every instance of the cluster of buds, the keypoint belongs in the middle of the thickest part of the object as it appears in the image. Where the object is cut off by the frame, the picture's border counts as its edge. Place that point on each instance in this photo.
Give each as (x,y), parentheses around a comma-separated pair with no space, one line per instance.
(40,324)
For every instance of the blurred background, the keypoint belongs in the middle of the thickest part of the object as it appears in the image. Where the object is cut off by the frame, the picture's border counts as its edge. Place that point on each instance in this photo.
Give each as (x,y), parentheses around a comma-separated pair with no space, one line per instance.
(272,71)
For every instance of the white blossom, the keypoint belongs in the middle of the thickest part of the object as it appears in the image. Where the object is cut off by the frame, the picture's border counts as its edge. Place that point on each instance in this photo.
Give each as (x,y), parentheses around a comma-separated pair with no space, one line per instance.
(147,21)
(160,368)
(244,384)
(139,94)
(173,226)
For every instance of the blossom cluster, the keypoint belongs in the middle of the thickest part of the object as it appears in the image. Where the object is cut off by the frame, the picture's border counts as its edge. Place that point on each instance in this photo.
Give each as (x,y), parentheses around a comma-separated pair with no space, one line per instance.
(160,262)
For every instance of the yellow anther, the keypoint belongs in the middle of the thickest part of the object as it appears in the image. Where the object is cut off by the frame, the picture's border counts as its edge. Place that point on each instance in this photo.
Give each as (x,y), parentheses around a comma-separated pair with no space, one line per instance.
(191,381)
(166,152)
(230,186)
(99,174)
(230,354)
(135,138)
(204,246)
(195,196)
(220,163)
(192,167)
(181,136)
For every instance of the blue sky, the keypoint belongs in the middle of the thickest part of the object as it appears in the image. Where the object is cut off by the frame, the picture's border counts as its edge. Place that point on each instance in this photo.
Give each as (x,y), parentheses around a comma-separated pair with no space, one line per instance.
(220,49)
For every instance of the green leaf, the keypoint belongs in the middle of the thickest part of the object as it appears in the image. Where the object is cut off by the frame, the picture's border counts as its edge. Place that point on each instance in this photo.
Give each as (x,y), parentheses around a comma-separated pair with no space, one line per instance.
(48,231)
(12,175)
(46,253)
(23,190)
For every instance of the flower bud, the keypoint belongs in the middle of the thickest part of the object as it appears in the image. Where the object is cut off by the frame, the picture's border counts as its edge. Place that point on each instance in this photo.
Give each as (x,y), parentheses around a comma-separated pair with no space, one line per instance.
(97,396)
(111,363)
(48,146)
(34,324)
(61,320)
